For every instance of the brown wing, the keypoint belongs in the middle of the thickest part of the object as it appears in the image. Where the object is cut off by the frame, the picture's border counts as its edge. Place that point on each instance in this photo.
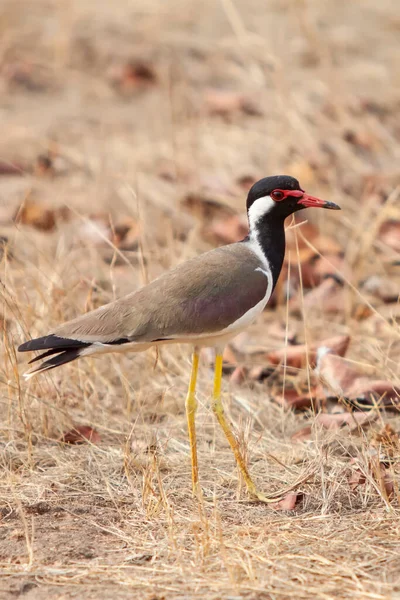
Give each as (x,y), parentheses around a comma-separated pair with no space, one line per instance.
(202,295)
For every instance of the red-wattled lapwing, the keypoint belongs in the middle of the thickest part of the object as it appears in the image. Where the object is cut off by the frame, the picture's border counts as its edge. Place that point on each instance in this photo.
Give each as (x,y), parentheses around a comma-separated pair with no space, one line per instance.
(203,302)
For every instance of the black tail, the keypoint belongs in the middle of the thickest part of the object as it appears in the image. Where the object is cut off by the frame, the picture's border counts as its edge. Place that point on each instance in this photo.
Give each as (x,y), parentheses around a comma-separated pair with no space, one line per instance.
(65,350)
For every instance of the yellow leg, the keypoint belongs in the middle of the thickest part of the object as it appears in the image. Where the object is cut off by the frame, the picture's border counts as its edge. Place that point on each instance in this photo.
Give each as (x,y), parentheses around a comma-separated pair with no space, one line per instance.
(191,407)
(220,414)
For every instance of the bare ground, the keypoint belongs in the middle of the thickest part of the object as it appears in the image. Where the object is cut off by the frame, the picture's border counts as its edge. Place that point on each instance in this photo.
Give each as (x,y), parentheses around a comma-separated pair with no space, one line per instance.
(115,518)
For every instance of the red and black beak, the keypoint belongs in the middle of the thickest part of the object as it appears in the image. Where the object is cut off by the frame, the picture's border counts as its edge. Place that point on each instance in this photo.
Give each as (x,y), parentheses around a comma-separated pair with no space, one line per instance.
(309,201)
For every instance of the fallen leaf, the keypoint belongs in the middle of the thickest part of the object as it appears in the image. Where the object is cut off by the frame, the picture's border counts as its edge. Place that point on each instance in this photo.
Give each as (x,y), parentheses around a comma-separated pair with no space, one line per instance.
(134,75)
(11,168)
(245,182)
(26,75)
(44,166)
(279,331)
(288,502)
(260,373)
(36,214)
(80,435)
(388,440)
(306,231)
(356,479)
(354,419)
(345,380)
(384,288)
(229,355)
(125,234)
(238,376)
(297,399)
(385,479)
(224,102)
(362,140)
(328,297)
(302,434)
(362,312)
(296,356)
(204,207)
(378,471)
(389,234)
(228,230)
(365,385)
(330,265)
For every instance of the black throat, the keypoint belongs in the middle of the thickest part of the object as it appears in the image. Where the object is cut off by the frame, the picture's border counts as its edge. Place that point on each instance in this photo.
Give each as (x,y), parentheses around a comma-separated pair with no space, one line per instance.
(270,234)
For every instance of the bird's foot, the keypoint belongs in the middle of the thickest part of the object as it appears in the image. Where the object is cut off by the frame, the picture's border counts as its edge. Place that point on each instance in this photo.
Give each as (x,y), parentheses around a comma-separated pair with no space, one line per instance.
(257,496)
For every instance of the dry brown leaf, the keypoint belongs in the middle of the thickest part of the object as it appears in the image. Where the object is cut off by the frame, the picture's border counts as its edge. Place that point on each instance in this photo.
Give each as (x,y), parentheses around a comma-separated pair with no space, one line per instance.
(365,385)
(335,372)
(224,102)
(379,472)
(363,140)
(385,480)
(296,356)
(382,287)
(388,440)
(343,379)
(80,435)
(288,502)
(354,419)
(302,434)
(308,231)
(36,214)
(238,376)
(228,230)
(260,373)
(44,166)
(11,168)
(298,400)
(362,312)
(303,256)
(245,182)
(132,76)
(24,75)
(279,331)
(125,234)
(330,264)
(205,207)
(389,234)
(356,479)
(328,296)
(229,355)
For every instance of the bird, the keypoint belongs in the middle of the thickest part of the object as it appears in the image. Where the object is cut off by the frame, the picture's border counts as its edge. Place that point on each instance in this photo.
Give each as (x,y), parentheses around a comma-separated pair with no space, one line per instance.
(204,301)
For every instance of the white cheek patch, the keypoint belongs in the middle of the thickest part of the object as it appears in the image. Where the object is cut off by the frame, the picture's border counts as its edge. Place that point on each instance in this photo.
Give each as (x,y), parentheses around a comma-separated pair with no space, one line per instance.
(260,208)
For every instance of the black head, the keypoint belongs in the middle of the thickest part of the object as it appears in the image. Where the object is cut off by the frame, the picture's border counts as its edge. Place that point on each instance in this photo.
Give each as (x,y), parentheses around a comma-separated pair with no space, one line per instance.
(278,197)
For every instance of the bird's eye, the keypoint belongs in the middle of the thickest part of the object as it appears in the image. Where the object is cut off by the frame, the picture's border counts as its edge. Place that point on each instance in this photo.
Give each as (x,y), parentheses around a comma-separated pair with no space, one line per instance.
(278,195)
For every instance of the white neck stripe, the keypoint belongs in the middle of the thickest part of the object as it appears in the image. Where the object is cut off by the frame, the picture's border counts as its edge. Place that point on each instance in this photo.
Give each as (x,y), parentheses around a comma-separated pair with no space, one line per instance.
(259,208)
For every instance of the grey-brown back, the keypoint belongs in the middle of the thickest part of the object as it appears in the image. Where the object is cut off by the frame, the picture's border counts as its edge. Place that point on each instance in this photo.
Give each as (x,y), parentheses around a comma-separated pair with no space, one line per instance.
(203,295)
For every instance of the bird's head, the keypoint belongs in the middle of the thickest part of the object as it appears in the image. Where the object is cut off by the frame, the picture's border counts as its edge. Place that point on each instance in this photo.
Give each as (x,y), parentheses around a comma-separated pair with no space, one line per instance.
(278,197)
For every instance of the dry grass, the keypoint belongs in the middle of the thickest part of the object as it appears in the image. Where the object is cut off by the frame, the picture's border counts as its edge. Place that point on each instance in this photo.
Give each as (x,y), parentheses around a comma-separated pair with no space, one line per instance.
(117,519)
